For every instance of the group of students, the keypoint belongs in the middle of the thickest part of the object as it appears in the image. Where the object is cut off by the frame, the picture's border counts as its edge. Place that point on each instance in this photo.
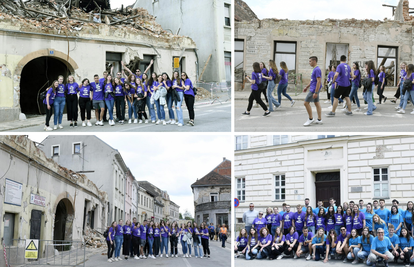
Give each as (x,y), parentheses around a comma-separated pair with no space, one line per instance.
(140,241)
(109,93)
(352,232)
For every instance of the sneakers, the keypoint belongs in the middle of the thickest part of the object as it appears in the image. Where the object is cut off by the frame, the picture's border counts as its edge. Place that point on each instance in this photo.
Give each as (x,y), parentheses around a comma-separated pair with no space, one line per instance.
(401,111)
(97,123)
(55,127)
(295,257)
(109,260)
(158,122)
(308,257)
(176,255)
(179,124)
(119,257)
(245,113)
(161,256)
(111,122)
(83,124)
(136,257)
(307,123)
(129,121)
(71,124)
(412,112)
(168,122)
(358,110)
(386,263)
(146,121)
(192,124)
(60,126)
(143,257)
(48,129)
(266,113)
(140,121)
(345,260)
(164,122)
(348,113)
(292,103)
(189,256)
(366,113)
(135,121)
(101,123)
(152,121)
(318,122)
(397,108)
(330,107)
(75,124)
(166,255)
(327,101)
(116,259)
(173,121)
(280,257)
(276,107)
(330,114)
(355,261)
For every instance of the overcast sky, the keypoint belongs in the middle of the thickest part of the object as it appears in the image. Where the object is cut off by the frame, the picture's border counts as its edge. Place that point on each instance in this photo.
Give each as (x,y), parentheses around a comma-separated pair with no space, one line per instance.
(322,9)
(119,3)
(170,161)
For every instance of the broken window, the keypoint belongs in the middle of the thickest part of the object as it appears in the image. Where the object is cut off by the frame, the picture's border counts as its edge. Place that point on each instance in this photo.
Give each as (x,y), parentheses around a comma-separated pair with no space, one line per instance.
(227,62)
(113,60)
(239,59)
(143,64)
(387,56)
(227,14)
(286,51)
(334,53)
(213,197)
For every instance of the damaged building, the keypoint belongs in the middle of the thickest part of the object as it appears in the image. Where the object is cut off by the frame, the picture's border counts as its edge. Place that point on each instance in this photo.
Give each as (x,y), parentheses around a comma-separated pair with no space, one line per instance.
(212,196)
(41,40)
(386,42)
(43,200)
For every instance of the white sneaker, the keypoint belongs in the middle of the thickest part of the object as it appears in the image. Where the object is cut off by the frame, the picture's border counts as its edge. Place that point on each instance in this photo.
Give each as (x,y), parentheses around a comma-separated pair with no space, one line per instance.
(152,121)
(172,121)
(292,103)
(143,256)
(129,121)
(309,122)
(60,126)
(158,122)
(48,129)
(161,256)
(295,257)
(120,259)
(366,108)
(280,257)
(189,255)
(140,256)
(397,107)
(97,123)
(308,257)
(152,256)
(179,124)
(113,123)
(140,121)
(101,123)
(89,123)
(358,110)
(176,255)
(412,112)
(55,127)
(136,257)
(168,122)
(196,257)
(164,122)
(318,121)
(83,124)
(166,255)
(330,107)
(327,101)
(116,259)
(109,260)
(401,111)
(344,105)
(135,121)
(146,121)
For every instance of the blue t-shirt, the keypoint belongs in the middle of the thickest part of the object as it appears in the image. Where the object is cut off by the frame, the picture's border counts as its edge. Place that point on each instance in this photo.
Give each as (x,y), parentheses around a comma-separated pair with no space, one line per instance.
(404,243)
(354,241)
(299,219)
(384,214)
(344,73)
(394,239)
(364,242)
(284,77)
(368,220)
(381,246)
(383,226)
(407,216)
(257,77)
(287,218)
(317,240)
(304,238)
(395,220)
(316,73)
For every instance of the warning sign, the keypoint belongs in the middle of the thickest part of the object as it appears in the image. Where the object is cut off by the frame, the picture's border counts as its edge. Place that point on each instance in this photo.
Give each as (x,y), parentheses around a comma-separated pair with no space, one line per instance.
(176,62)
(31,251)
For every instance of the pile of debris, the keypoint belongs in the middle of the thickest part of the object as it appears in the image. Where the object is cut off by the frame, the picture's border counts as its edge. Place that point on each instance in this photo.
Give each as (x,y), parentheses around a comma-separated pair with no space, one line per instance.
(49,16)
(93,238)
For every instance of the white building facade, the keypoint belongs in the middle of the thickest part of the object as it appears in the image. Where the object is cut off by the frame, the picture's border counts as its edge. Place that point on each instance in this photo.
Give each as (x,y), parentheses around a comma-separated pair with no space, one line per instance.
(274,169)
(145,205)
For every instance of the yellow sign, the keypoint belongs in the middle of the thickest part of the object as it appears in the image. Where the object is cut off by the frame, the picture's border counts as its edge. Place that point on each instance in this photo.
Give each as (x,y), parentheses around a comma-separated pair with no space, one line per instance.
(176,62)
(31,251)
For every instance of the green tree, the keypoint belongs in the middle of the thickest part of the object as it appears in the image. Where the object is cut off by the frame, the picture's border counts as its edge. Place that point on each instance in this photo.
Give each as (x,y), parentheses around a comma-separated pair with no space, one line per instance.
(181,216)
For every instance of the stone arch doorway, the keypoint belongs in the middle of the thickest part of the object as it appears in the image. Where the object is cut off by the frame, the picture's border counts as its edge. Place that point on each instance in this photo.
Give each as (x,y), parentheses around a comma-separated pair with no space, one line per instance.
(35,72)
(63,224)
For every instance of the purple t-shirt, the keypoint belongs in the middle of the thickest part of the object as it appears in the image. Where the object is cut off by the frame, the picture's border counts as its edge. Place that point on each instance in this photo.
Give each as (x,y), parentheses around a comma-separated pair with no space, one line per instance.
(264,240)
(119,230)
(119,91)
(291,238)
(339,219)
(157,232)
(72,88)
(287,219)
(330,223)
(85,91)
(111,233)
(357,78)
(320,222)
(303,239)
(141,90)
(253,242)
(174,82)
(257,77)
(276,218)
(310,220)
(348,222)
(269,219)
(371,74)
(151,88)
(151,233)
(284,78)
(97,91)
(316,73)
(358,221)
(168,82)
(127,230)
(272,74)
(164,232)
(60,90)
(51,96)
(299,219)
(136,231)
(144,231)
(241,240)
(330,76)
(259,223)
(403,73)
(381,77)
(344,72)
(108,89)
(190,91)
(279,239)
(205,231)
(412,78)
(342,238)
(264,71)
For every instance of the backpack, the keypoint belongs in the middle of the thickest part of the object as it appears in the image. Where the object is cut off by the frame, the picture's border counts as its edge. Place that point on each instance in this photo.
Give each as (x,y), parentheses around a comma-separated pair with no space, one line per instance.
(407,86)
(42,95)
(195,91)
(367,83)
(278,78)
(105,234)
(376,80)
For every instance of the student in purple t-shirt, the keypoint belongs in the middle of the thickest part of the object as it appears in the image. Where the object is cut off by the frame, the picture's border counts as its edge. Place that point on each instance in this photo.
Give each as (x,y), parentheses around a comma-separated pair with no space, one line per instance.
(291,240)
(141,94)
(170,99)
(408,93)
(109,99)
(331,74)
(204,241)
(263,84)
(381,84)
(310,219)
(110,240)
(276,220)
(330,219)
(255,80)
(287,220)
(189,96)
(358,222)
(98,103)
(298,219)
(48,103)
(331,243)
(143,238)
(59,104)
(320,219)
(398,92)
(127,238)
(370,68)
(278,245)
(283,84)
(273,73)
(315,86)
(150,233)
(119,99)
(268,218)
(259,222)
(342,247)
(342,78)
(356,80)
(339,219)
(164,238)
(119,239)
(305,244)
(71,90)
(265,240)
(85,101)
(157,239)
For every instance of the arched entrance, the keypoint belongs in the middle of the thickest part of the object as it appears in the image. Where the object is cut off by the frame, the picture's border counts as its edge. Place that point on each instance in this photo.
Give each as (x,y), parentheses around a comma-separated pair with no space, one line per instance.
(35,72)
(63,223)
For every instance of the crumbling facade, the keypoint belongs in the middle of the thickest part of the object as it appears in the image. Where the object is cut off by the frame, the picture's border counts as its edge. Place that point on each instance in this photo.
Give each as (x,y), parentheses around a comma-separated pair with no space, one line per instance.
(387,42)
(34,51)
(43,200)
(212,196)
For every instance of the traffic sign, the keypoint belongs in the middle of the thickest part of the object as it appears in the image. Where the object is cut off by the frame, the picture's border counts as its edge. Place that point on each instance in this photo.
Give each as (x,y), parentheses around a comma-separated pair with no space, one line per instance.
(236,202)
(32,249)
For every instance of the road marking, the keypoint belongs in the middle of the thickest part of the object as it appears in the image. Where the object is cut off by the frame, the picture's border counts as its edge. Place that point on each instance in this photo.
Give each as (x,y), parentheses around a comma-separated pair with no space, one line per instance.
(186,262)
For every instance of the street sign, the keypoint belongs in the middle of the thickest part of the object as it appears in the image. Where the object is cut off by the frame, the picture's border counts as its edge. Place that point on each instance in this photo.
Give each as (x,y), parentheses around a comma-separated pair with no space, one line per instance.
(236,202)
(32,249)
(176,62)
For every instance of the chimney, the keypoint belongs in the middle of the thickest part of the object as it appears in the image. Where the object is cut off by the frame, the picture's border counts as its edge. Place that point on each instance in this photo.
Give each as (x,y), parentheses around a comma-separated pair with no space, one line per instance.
(224,158)
(406,10)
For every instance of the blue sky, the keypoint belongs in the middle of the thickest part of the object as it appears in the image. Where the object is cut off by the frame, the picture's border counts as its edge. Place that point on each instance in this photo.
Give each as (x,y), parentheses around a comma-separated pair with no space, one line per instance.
(322,9)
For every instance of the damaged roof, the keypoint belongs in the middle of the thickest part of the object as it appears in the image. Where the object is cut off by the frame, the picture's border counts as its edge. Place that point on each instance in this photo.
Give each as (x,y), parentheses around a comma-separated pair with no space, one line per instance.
(212,178)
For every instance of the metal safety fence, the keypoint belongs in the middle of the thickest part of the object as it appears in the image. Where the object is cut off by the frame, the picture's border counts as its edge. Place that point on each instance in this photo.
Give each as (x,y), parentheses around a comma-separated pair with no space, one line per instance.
(50,253)
(218,91)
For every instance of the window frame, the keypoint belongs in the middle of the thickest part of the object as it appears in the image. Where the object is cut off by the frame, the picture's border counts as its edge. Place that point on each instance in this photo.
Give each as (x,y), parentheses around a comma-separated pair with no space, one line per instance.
(247,142)
(52,152)
(396,73)
(288,53)
(73,148)
(280,139)
(279,187)
(242,190)
(216,195)
(381,182)
(227,20)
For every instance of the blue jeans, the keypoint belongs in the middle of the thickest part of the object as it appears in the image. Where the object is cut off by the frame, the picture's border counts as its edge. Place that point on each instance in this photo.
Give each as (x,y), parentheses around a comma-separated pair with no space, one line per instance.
(338,229)
(260,256)
(130,109)
(254,251)
(333,95)
(189,248)
(311,229)
(356,250)
(319,250)
(151,108)
(150,244)
(119,239)
(169,105)
(401,94)
(184,246)
(281,89)
(368,98)
(354,93)
(59,106)
(408,95)
(273,229)
(110,105)
(270,87)
(160,110)
(179,109)
(164,244)
(362,255)
(199,248)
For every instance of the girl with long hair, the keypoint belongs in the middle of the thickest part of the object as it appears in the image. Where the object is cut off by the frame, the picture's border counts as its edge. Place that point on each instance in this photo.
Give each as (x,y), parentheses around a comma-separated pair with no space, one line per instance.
(119,100)
(131,80)
(377,222)
(320,219)
(151,239)
(204,241)
(252,244)
(189,96)
(268,217)
(109,98)
(265,240)
(405,247)
(354,243)
(273,72)
(168,85)
(164,230)
(318,244)
(255,80)
(178,102)
(197,239)
(263,84)
(48,103)
(310,219)
(356,80)
(110,241)
(358,221)
(157,239)
(408,217)
(408,93)
(369,213)
(396,219)
(174,236)
(370,68)
(72,89)
(141,94)
(241,243)
(348,219)
(278,245)
(85,102)
(339,219)
(398,92)
(59,104)
(127,238)
(381,84)
(330,219)
(331,242)
(366,241)
(283,84)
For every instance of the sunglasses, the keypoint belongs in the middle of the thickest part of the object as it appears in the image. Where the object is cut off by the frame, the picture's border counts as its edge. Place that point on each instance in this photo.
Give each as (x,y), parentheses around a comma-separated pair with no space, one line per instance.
(343,229)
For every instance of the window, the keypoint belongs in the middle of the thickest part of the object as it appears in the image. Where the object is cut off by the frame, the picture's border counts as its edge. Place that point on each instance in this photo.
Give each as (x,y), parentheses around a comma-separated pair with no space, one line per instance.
(241,142)
(325,136)
(279,187)
(381,183)
(280,139)
(227,66)
(388,57)
(138,199)
(226,14)
(286,51)
(241,182)
(238,59)
(213,197)
(55,150)
(76,148)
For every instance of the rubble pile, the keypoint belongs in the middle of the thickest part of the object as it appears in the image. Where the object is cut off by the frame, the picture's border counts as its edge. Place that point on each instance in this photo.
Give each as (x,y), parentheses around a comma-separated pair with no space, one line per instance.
(93,238)
(53,17)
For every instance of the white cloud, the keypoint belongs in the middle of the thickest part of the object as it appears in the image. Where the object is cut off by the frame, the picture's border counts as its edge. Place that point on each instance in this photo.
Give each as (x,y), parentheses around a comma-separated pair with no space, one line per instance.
(322,9)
